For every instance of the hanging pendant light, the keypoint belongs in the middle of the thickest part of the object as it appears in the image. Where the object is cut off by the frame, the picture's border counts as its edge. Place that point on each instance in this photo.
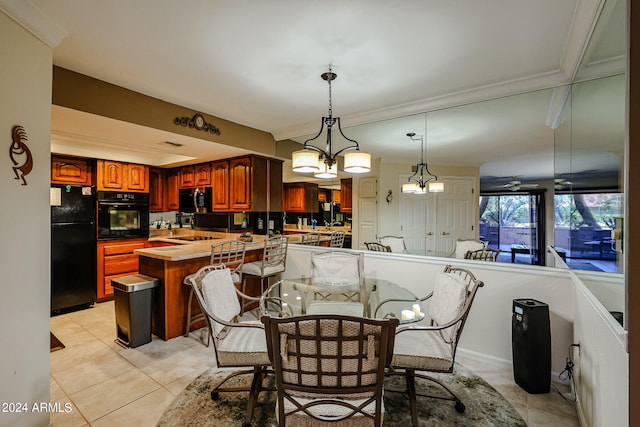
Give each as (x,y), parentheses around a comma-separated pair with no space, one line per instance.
(422,180)
(311,158)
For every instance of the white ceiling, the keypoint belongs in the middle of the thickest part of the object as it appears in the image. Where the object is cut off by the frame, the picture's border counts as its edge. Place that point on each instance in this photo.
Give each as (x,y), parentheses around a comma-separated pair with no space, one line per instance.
(258,63)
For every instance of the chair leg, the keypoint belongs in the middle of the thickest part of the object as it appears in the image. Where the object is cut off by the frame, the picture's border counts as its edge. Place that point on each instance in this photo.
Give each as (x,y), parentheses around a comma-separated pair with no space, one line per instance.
(410,378)
(187,327)
(259,373)
(256,387)
(189,322)
(458,403)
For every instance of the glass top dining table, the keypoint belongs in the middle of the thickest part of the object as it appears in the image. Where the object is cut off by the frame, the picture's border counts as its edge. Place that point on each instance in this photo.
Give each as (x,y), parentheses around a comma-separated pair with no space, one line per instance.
(379,298)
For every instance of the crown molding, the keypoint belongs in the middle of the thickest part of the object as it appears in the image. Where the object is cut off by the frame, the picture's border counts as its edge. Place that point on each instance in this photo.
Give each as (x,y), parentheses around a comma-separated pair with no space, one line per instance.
(29,16)
(484,93)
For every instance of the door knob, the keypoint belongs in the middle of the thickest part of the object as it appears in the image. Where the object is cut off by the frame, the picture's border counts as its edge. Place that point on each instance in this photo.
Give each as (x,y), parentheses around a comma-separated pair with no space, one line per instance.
(444,233)
(430,234)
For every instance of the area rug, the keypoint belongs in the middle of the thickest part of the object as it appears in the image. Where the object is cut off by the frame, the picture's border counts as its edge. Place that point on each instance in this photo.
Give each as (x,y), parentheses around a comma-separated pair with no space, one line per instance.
(484,405)
(54,343)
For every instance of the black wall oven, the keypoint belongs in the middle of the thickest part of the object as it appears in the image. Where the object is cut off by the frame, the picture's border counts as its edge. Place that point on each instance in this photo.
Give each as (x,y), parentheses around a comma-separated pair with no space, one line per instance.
(122,215)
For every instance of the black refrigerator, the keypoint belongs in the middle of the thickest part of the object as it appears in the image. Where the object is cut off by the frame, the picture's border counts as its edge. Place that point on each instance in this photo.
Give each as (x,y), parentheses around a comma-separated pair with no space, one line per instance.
(73,247)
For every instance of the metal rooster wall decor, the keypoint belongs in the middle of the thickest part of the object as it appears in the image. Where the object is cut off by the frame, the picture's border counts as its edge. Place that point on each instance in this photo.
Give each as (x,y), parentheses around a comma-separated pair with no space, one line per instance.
(20,154)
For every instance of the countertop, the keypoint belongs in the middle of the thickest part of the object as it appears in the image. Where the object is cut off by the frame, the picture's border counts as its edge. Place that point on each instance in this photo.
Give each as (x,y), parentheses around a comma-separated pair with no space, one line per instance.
(184,249)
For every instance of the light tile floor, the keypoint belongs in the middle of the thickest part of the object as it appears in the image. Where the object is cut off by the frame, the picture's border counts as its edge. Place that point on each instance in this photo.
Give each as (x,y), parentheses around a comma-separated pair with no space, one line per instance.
(108,385)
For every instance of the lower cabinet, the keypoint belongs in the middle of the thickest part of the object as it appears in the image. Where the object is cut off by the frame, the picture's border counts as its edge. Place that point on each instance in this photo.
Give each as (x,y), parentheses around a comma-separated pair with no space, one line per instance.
(116,259)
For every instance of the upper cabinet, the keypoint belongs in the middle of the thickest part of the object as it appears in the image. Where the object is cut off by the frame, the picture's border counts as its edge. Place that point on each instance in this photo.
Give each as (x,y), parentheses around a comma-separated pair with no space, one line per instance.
(114,176)
(240,184)
(156,189)
(220,178)
(346,186)
(247,184)
(70,171)
(171,193)
(301,197)
(195,176)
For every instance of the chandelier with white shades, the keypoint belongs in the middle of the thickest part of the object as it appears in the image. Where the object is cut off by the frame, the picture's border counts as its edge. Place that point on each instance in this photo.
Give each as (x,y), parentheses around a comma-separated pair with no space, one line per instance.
(422,180)
(324,162)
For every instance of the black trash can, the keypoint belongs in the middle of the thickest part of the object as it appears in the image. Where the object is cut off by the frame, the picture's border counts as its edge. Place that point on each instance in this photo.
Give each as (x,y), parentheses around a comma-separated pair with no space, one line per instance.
(133,297)
(531,345)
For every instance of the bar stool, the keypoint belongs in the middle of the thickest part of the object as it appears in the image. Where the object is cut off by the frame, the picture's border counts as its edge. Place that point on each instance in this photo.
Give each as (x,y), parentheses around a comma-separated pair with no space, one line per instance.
(273,262)
(231,254)
(337,239)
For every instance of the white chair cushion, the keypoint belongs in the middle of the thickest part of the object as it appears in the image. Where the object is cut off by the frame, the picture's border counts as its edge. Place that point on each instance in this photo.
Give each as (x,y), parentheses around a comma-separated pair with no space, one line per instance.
(421,350)
(463,246)
(220,296)
(335,266)
(243,347)
(449,295)
(336,307)
(255,269)
(395,243)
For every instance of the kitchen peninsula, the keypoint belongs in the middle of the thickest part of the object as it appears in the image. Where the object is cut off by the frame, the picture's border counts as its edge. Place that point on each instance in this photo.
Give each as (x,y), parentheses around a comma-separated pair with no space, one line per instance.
(171,260)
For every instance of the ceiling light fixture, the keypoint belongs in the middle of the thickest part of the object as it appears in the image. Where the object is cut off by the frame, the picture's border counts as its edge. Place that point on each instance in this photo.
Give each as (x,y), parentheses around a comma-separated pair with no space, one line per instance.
(323,162)
(422,180)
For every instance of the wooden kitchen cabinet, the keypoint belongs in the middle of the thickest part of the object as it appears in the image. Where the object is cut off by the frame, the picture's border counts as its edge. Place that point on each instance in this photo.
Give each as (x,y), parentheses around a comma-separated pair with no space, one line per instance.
(301,197)
(70,171)
(156,190)
(137,177)
(171,190)
(247,184)
(220,179)
(187,177)
(346,195)
(118,176)
(116,259)
(195,176)
(336,196)
(240,181)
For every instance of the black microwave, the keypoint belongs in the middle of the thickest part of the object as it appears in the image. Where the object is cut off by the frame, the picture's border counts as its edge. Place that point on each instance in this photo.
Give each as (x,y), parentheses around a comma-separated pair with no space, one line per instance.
(195,200)
(122,215)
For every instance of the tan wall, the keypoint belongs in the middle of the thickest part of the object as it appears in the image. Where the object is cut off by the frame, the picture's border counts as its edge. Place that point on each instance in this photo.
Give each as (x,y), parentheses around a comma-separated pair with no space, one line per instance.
(25,85)
(83,93)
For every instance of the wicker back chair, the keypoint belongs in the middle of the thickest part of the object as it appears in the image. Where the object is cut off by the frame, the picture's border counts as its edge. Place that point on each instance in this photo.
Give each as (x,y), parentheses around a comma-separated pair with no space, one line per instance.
(377,247)
(396,243)
(236,343)
(433,348)
(483,254)
(329,368)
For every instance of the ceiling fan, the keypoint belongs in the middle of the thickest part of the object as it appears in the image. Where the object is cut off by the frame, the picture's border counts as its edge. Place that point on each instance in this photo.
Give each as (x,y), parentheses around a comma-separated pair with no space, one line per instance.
(561,184)
(516,185)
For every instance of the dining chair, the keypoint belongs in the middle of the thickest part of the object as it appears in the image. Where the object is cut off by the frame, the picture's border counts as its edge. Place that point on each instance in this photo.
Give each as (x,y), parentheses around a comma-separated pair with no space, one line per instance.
(433,348)
(311,239)
(273,262)
(341,269)
(231,254)
(377,247)
(465,245)
(236,343)
(337,239)
(329,369)
(487,254)
(396,243)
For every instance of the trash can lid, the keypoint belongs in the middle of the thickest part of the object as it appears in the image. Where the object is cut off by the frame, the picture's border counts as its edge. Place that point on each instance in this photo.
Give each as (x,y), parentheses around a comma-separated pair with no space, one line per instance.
(135,282)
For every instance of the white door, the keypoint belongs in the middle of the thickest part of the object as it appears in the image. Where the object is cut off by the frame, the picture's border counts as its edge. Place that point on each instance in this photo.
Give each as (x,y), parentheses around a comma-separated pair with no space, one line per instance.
(431,223)
(368,223)
(456,212)
(416,221)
